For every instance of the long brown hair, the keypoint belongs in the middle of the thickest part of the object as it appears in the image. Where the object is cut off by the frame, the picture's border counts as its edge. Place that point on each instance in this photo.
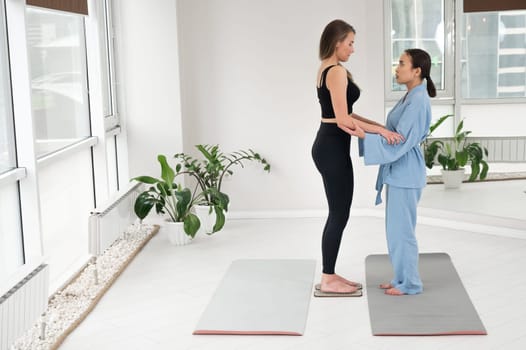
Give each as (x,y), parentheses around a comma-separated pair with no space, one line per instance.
(333,33)
(421,59)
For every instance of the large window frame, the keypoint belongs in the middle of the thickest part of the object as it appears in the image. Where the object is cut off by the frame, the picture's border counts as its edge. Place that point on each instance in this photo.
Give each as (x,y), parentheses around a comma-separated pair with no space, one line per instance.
(105,121)
(107,37)
(79,115)
(28,169)
(23,176)
(444,96)
(459,14)
(452,94)
(7,135)
(11,230)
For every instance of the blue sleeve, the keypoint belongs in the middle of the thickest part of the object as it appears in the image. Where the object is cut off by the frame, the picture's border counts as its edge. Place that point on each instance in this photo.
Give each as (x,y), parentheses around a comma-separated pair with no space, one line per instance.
(360,147)
(411,126)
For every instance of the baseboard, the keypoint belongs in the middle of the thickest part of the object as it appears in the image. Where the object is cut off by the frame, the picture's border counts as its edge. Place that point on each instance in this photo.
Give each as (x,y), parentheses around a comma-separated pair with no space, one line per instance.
(497,226)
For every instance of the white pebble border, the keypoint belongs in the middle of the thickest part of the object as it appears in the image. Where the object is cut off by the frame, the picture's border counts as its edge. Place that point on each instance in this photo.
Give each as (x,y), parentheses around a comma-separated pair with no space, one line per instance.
(498,176)
(69,306)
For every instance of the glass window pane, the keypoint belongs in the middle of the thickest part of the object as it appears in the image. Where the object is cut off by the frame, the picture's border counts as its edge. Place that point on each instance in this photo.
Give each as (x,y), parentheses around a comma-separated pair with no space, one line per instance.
(66,199)
(7,143)
(111,156)
(105,38)
(418,24)
(11,249)
(494,54)
(11,252)
(57,58)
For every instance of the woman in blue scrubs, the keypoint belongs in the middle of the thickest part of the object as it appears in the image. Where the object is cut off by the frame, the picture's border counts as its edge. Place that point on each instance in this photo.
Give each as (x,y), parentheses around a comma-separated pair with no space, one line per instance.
(402,168)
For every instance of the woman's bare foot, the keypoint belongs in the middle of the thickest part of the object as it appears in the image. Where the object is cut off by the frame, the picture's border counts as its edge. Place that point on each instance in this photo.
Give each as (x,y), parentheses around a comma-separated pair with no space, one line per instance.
(386,286)
(334,283)
(346,281)
(394,291)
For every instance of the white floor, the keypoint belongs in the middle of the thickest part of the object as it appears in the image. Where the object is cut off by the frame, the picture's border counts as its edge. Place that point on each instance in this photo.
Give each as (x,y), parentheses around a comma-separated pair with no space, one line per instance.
(158,300)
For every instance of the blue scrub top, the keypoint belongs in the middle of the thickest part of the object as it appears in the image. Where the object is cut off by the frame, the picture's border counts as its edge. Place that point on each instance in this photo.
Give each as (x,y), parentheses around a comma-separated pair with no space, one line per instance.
(401,165)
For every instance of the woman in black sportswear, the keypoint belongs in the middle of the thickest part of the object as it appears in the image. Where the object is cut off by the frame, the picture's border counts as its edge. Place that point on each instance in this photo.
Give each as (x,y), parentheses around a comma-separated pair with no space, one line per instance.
(331,149)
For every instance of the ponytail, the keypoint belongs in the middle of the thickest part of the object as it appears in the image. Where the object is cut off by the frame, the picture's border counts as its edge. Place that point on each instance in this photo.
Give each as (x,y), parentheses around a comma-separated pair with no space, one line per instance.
(421,59)
(431,90)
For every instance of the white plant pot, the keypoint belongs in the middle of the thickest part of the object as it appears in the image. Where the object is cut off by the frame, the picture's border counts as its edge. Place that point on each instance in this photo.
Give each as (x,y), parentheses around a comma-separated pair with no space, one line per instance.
(452,178)
(206,218)
(175,233)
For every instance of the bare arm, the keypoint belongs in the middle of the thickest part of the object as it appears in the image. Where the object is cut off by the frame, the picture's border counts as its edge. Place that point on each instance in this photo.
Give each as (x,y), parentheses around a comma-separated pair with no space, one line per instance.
(376,128)
(365,120)
(336,81)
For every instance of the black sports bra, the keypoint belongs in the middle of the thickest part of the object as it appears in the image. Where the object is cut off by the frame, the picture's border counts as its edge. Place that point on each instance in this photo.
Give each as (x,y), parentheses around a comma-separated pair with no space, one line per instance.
(324,96)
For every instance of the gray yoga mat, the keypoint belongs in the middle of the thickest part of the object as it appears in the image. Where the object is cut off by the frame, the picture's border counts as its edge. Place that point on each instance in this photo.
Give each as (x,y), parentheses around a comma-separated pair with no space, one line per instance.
(444,308)
(261,297)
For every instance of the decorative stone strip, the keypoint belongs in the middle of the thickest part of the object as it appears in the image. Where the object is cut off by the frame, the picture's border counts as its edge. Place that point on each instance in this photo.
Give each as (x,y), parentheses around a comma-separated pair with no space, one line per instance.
(70,306)
(437,179)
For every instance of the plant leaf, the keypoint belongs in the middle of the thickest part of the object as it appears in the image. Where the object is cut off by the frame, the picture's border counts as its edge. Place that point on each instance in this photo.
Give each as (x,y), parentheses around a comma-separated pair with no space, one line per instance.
(191,224)
(438,123)
(167,173)
(459,127)
(475,170)
(183,197)
(143,204)
(443,160)
(146,179)
(220,219)
(485,168)
(461,157)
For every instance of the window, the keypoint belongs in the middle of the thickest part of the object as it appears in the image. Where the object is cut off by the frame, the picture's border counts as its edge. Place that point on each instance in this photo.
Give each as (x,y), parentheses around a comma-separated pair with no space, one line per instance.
(491,56)
(7,139)
(64,226)
(419,23)
(11,251)
(494,55)
(107,59)
(56,48)
(111,118)
(113,164)
(106,39)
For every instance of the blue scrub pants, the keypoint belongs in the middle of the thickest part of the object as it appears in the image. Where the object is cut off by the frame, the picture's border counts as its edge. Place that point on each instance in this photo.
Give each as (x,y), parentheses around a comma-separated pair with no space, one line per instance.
(400,223)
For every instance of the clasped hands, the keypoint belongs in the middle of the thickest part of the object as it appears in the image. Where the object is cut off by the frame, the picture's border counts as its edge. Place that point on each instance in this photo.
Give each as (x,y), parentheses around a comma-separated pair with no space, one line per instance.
(391,137)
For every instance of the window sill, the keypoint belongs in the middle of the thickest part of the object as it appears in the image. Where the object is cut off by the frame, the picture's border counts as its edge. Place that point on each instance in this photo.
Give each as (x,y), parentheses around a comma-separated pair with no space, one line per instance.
(67,151)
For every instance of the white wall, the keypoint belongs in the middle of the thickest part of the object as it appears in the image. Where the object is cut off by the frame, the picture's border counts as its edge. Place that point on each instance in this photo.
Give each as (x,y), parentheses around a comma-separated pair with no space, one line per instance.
(495,119)
(248,73)
(148,76)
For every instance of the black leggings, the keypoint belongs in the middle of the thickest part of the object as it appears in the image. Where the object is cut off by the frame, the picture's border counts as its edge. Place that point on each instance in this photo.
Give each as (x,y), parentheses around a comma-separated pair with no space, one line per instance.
(331,154)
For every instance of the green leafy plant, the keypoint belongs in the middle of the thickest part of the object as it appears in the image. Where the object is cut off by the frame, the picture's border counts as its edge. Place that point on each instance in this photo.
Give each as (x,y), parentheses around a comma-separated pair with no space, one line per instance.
(211,170)
(168,197)
(455,153)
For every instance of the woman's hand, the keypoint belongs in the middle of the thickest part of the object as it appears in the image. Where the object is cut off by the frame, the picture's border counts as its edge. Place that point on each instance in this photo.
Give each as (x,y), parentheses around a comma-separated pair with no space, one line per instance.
(357,131)
(391,137)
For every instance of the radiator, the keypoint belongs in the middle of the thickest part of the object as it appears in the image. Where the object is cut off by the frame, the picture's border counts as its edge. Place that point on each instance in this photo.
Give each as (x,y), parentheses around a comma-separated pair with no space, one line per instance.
(503,149)
(500,149)
(22,305)
(108,223)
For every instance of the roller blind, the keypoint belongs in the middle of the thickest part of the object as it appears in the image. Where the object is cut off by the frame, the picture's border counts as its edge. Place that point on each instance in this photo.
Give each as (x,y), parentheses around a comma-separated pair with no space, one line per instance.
(74,6)
(493,5)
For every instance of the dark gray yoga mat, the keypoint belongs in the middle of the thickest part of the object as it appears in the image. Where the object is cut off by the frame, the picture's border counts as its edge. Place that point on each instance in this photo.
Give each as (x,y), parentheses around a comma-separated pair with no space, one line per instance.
(444,308)
(261,297)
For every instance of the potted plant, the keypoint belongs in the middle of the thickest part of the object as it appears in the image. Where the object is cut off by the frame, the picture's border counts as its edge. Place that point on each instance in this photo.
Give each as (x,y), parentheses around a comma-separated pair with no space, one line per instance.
(169,198)
(209,173)
(454,153)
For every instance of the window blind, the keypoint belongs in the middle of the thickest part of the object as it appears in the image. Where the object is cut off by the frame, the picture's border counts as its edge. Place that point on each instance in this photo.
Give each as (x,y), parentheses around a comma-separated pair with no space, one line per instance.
(74,6)
(493,5)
